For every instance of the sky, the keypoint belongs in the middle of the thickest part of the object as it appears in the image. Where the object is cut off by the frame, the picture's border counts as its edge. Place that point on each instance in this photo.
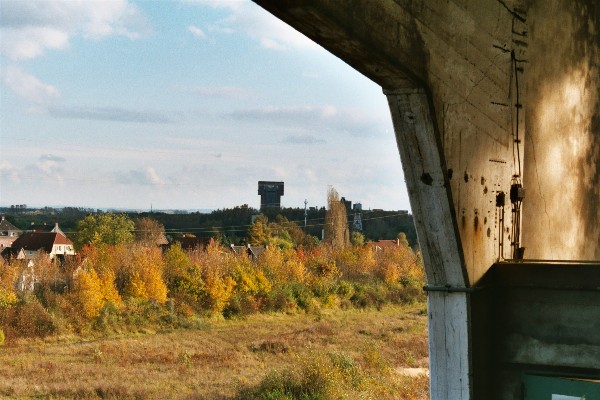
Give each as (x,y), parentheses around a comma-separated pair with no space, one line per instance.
(183,105)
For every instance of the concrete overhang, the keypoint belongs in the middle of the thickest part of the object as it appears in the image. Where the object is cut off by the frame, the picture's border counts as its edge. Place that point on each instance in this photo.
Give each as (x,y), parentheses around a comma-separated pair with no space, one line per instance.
(359,34)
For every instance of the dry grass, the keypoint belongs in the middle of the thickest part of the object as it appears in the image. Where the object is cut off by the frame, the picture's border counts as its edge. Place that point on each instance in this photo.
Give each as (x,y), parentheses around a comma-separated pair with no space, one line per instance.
(221,360)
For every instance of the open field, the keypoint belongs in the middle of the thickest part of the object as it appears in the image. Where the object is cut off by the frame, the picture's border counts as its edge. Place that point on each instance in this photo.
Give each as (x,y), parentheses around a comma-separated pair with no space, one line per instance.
(229,359)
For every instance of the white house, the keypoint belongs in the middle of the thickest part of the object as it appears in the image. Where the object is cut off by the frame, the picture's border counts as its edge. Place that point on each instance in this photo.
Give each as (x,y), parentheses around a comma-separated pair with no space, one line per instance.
(33,244)
(30,244)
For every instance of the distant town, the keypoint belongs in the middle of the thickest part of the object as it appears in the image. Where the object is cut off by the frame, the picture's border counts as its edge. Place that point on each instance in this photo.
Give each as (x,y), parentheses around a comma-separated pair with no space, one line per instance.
(194,227)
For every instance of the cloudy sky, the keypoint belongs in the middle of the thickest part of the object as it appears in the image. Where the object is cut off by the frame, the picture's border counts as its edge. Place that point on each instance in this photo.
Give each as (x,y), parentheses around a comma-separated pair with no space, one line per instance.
(182,104)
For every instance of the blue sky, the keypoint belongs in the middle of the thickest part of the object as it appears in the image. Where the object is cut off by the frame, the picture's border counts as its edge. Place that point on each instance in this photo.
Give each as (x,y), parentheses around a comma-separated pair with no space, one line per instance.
(182,105)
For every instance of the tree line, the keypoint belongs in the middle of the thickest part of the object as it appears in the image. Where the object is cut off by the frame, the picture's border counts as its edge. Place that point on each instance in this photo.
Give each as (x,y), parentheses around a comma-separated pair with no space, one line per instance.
(119,280)
(230,226)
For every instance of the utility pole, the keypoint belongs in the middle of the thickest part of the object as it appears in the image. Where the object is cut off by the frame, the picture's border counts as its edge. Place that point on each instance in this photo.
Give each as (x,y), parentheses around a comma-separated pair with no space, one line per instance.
(357,223)
(305,213)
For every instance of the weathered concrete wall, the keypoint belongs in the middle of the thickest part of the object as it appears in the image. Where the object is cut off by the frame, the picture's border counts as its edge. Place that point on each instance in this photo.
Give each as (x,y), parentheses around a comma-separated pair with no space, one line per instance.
(471,78)
(562,152)
(546,320)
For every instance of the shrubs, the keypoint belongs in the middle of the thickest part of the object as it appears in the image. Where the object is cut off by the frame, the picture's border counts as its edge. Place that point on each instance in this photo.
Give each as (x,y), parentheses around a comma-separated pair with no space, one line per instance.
(28,320)
(133,285)
(318,377)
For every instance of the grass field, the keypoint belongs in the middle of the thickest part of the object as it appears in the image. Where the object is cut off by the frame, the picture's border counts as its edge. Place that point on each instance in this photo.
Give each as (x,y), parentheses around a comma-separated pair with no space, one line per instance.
(348,354)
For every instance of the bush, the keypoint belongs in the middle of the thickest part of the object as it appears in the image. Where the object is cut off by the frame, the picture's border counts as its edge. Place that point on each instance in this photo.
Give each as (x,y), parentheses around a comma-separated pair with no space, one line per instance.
(90,290)
(241,305)
(7,298)
(107,318)
(1,337)
(302,295)
(345,290)
(31,320)
(281,300)
(319,377)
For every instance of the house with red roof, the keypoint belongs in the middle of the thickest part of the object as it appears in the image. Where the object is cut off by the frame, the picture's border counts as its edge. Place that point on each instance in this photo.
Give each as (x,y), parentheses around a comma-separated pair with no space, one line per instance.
(32,243)
(380,245)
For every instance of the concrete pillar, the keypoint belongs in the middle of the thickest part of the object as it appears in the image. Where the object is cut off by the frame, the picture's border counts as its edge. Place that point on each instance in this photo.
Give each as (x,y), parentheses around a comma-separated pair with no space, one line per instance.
(448,302)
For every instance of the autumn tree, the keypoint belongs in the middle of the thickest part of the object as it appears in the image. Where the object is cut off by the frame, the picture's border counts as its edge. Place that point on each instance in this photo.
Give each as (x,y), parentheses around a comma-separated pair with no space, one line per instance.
(357,239)
(149,232)
(402,240)
(91,291)
(336,229)
(109,228)
(260,232)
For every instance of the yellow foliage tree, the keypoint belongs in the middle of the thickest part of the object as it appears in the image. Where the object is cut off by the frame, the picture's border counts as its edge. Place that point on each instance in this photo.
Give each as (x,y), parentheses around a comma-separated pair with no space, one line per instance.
(91,291)
(144,276)
(8,297)
(218,291)
(108,288)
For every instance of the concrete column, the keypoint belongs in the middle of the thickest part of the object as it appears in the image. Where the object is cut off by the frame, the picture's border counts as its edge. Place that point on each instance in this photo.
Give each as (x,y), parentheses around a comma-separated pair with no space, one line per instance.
(449,346)
(448,298)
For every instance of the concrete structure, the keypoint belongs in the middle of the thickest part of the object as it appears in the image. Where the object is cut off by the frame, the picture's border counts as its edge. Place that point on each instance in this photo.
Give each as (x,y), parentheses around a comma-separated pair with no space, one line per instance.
(270,194)
(496,108)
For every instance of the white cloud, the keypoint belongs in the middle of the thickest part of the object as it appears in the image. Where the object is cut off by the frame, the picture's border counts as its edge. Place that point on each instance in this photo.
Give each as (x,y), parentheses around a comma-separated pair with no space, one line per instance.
(28,86)
(47,168)
(153,177)
(114,114)
(329,111)
(194,30)
(250,19)
(30,42)
(7,170)
(144,176)
(29,28)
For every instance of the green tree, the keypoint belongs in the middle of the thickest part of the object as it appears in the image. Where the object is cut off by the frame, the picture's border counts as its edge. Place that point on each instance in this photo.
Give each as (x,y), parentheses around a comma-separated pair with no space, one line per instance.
(357,239)
(109,228)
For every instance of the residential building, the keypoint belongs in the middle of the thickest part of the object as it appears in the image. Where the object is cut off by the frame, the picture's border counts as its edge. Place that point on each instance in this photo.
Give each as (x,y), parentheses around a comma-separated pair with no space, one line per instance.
(251,251)
(31,244)
(8,233)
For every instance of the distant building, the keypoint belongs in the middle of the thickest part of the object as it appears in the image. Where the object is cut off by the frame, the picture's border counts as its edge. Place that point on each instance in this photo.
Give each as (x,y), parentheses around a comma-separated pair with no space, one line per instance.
(31,244)
(8,233)
(34,244)
(347,204)
(251,251)
(380,245)
(190,242)
(270,194)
